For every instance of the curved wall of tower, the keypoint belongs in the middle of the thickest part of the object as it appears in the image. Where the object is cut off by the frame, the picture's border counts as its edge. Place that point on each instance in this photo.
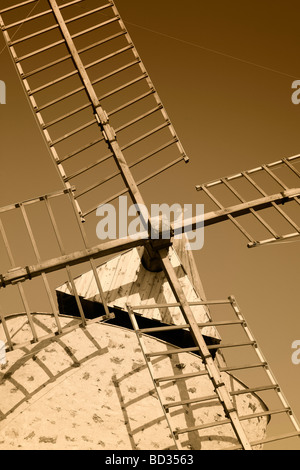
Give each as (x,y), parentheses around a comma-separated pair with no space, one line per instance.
(91,389)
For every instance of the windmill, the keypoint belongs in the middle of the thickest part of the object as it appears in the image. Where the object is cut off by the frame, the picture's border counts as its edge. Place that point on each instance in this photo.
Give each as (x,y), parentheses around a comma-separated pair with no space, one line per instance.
(87,144)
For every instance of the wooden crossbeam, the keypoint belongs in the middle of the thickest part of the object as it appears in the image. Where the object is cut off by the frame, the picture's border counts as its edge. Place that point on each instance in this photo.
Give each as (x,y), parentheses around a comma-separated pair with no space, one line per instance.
(73,259)
(215,217)
(117,246)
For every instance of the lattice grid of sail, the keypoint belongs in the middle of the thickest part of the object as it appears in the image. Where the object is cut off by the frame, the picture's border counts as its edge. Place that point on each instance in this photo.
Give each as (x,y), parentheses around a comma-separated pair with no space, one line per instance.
(265,199)
(50,230)
(62,106)
(238,354)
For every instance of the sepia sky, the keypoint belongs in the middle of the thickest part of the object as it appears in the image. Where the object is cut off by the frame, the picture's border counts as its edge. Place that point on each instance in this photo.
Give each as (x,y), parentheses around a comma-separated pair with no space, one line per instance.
(224,71)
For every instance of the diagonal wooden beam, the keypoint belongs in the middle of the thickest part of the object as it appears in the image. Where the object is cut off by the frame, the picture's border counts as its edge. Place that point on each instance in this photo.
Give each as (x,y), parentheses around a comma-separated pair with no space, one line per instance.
(73,259)
(210,365)
(214,217)
(141,239)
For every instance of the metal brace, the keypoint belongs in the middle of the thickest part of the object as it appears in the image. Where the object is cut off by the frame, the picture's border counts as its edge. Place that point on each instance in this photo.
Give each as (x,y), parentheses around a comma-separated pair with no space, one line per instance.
(231,410)
(28,273)
(2,281)
(103,121)
(20,279)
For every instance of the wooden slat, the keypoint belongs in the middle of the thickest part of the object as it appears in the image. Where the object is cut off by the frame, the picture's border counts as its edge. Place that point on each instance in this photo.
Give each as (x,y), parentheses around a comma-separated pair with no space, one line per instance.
(150,84)
(58,100)
(280,437)
(39,51)
(214,424)
(53,82)
(55,194)
(214,373)
(101,42)
(38,258)
(117,173)
(25,20)
(227,421)
(82,149)
(279,181)
(177,304)
(100,183)
(69,4)
(243,367)
(138,119)
(291,167)
(185,326)
(257,216)
(20,288)
(87,13)
(6,331)
(169,352)
(91,259)
(66,116)
(174,378)
(123,87)
(93,28)
(161,170)
(79,257)
(77,90)
(238,210)
(108,56)
(278,209)
(229,216)
(18,5)
(106,128)
(33,35)
(253,171)
(74,132)
(46,66)
(87,84)
(68,270)
(145,136)
(190,401)
(131,102)
(261,357)
(155,383)
(75,72)
(195,349)
(153,153)
(66,330)
(282,239)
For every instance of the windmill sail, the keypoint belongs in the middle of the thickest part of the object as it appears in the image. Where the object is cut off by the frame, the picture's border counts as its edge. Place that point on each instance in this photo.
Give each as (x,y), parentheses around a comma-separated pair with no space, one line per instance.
(269,194)
(78,87)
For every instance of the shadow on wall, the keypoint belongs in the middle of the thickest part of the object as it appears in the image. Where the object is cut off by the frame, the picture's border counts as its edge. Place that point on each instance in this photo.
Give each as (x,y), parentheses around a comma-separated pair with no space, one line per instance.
(181,338)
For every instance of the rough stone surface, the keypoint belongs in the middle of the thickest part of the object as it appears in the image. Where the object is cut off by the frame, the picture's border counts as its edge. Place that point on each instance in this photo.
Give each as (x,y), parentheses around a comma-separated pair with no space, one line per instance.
(91,389)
